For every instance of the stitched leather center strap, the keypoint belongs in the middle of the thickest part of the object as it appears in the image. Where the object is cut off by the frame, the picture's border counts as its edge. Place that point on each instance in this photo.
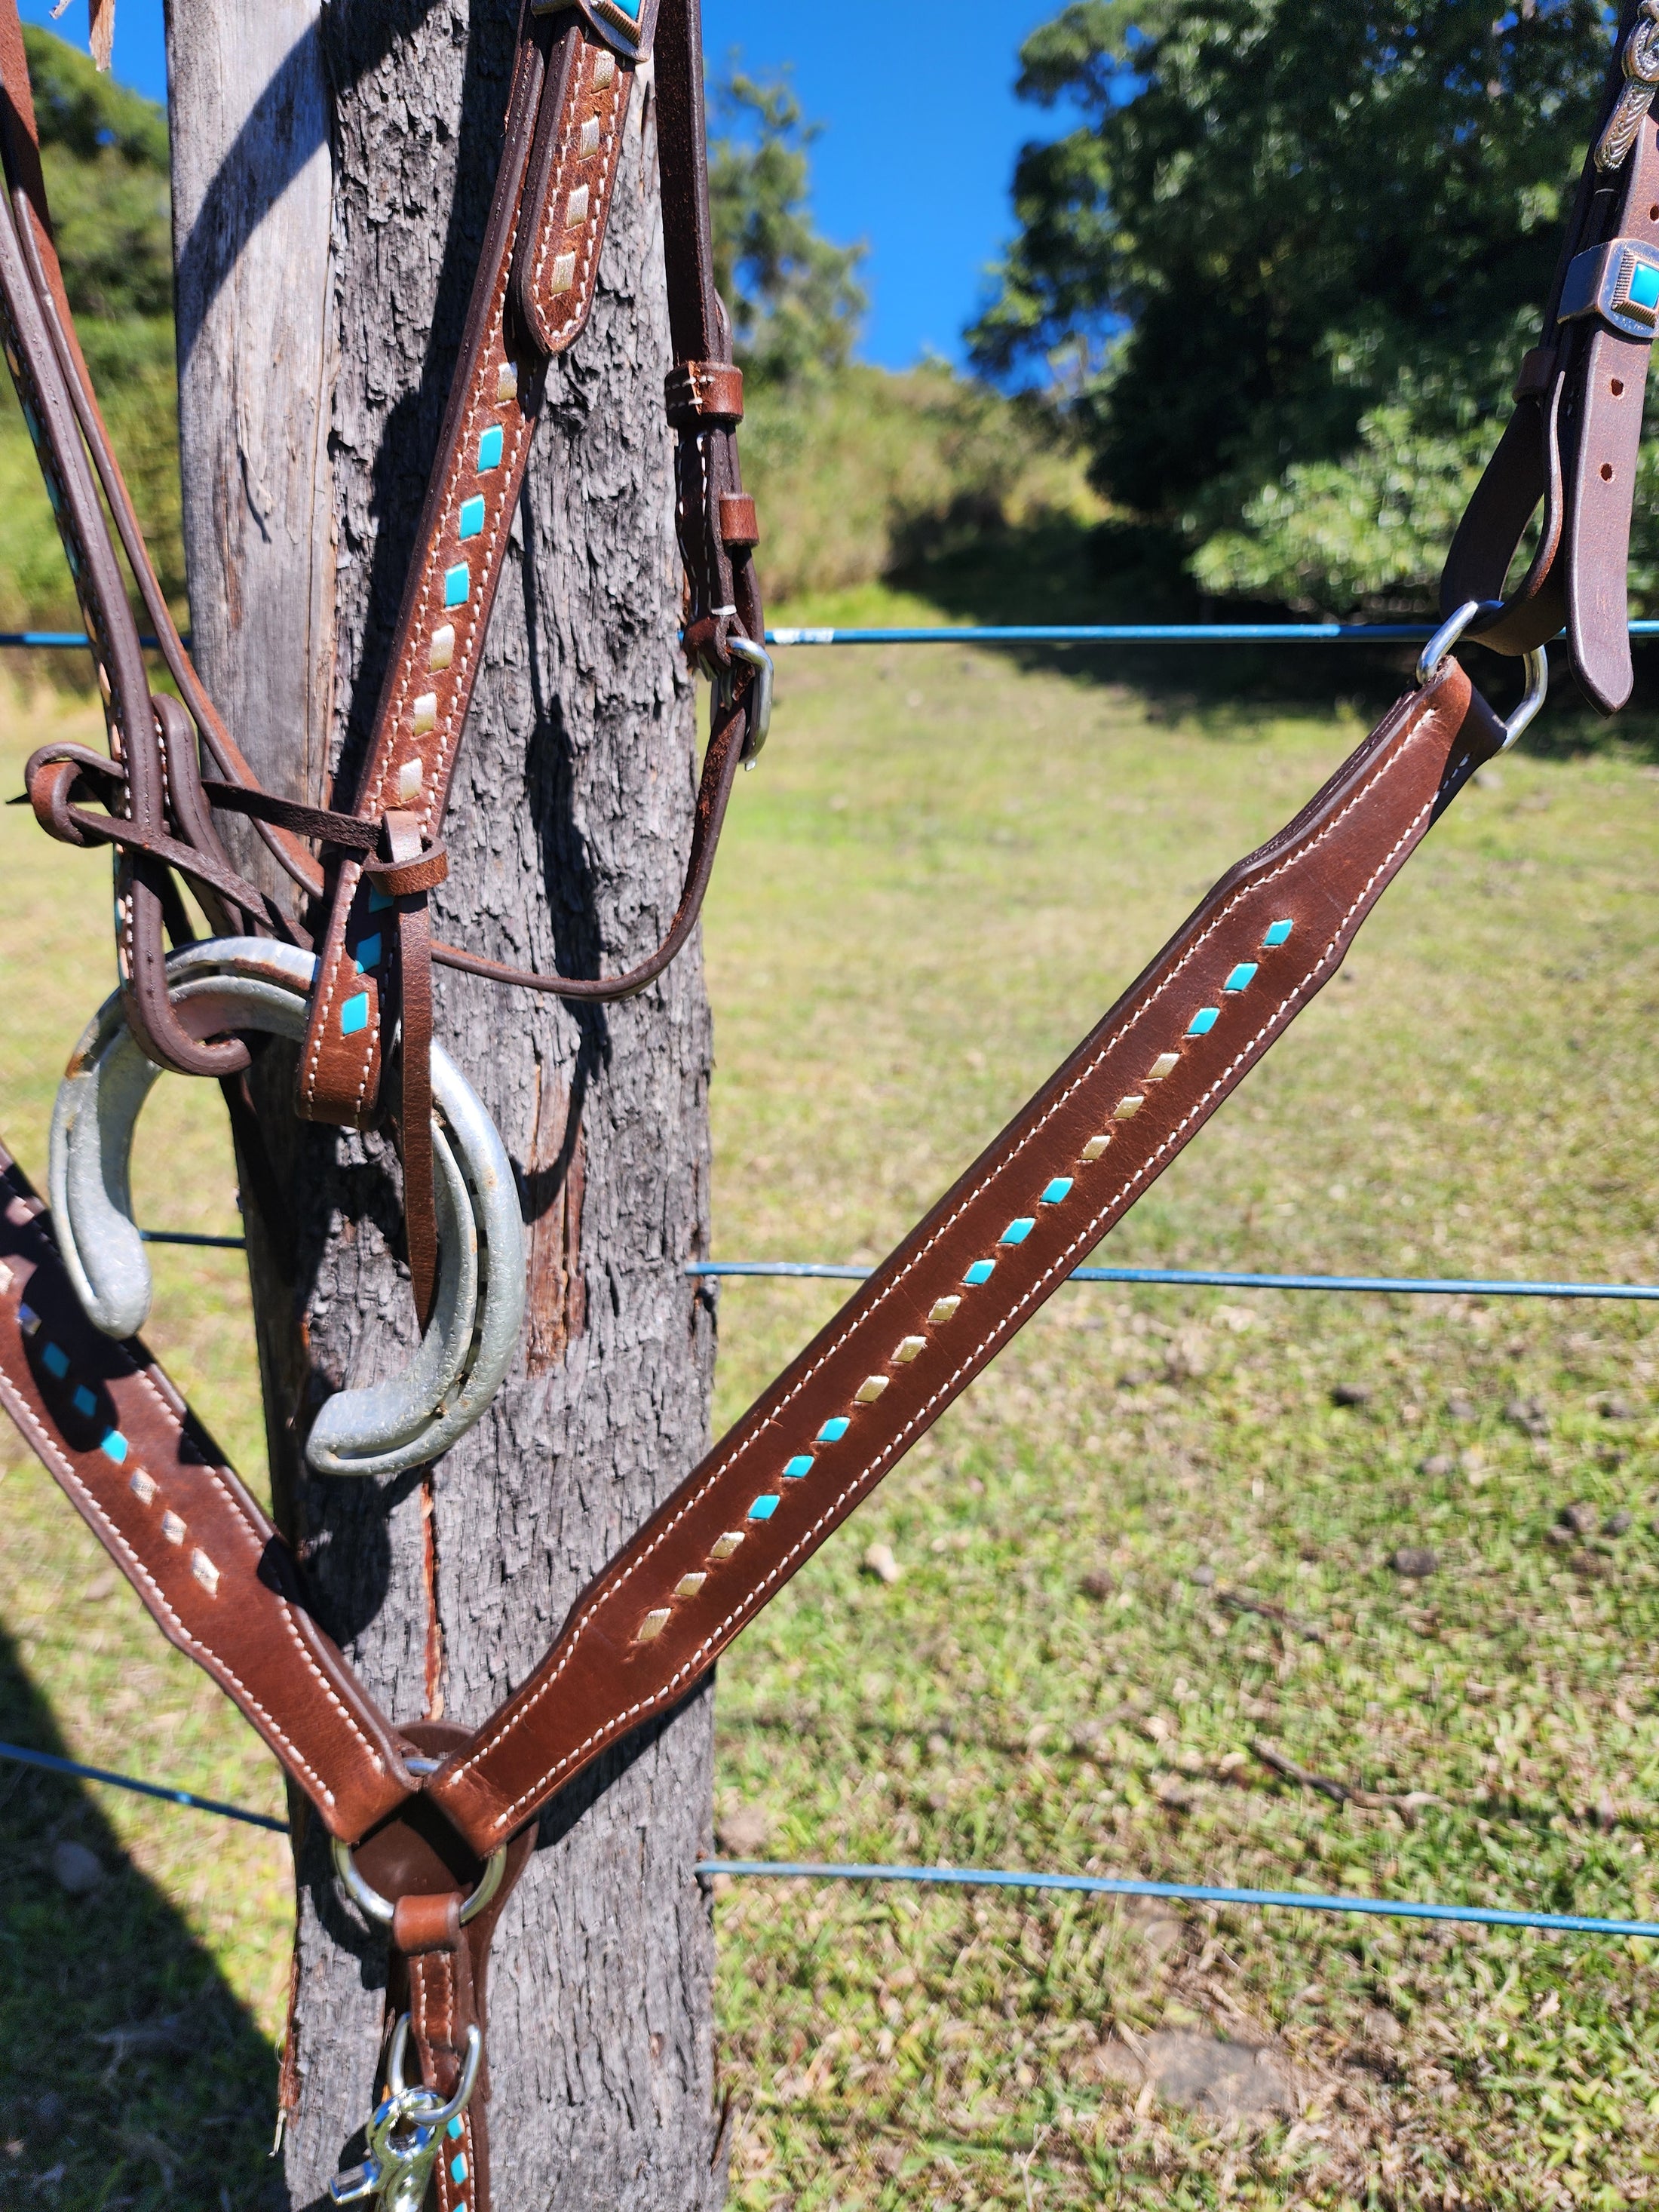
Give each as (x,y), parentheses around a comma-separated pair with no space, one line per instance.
(156,1491)
(1096,1137)
(483,450)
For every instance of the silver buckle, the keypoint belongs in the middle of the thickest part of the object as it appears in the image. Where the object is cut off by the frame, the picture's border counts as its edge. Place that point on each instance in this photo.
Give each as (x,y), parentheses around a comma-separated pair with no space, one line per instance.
(1620,282)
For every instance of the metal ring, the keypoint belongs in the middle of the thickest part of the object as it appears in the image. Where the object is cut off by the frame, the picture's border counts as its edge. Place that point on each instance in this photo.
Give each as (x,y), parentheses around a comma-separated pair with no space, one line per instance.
(416,1415)
(434,2115)
(1429,662)
(1447,635)
(370,1903)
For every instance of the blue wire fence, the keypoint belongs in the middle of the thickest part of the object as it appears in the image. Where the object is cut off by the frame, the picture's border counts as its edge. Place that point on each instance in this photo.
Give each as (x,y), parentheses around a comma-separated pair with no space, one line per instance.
(1088,1885)
(1216,1279)
(1011,634)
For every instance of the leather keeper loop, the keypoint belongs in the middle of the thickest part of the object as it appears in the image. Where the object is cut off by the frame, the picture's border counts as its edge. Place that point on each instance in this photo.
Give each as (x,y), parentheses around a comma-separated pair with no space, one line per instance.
(1537,371)
(51,788)
(409,878)
(55,776)
(427,1923)
(739,524)
(704,391)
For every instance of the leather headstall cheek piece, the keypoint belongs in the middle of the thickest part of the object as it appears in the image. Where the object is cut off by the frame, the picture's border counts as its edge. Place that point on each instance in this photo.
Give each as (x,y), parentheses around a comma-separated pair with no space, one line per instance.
(431,1822)
(1570,447)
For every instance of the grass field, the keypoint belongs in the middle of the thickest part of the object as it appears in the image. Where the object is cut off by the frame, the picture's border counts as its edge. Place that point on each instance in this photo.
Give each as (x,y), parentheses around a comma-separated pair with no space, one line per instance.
(944,870)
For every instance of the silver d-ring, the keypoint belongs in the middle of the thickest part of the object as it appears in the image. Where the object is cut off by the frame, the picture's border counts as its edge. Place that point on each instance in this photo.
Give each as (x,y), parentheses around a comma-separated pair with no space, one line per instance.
(1429,662)
(1449,632)
(414,1416)
(370,1903)
(760,709)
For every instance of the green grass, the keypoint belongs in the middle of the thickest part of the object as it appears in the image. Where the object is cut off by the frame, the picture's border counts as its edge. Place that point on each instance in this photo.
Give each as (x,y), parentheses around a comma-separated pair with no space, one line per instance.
(943,872)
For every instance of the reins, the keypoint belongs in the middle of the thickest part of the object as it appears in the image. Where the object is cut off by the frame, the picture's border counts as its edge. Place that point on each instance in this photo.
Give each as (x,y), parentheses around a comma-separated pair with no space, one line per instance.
(431,1823)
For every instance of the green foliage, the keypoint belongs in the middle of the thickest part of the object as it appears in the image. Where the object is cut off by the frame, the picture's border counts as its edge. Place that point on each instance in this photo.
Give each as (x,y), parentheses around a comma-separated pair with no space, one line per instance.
(795,302)
(863,475)
(104,150)
(1294,248)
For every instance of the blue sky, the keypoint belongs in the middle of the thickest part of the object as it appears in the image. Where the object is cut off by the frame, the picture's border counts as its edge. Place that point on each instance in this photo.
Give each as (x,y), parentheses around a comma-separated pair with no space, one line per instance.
(920,133)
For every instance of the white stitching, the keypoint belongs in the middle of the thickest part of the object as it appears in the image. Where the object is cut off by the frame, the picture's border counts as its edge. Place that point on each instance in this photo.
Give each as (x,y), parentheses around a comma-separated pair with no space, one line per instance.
(1398,754)
(21,1412)
(308,1657)
(619,88)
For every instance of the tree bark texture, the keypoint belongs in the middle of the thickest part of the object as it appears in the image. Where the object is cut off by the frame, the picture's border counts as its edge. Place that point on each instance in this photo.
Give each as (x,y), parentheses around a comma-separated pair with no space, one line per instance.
(332,177)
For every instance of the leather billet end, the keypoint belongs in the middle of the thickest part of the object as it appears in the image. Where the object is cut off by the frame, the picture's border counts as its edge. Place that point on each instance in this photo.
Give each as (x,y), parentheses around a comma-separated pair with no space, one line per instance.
(572,175)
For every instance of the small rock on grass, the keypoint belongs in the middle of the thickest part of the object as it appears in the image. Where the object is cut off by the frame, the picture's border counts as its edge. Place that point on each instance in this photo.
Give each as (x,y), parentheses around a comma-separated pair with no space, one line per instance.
(1439,1465)
(1414,1559)
(1528,1413)
(1350,1394)
(1581,1518)
(1188,2067)
(1202,1578)
(745,1833)
(1097,1584)
(878,1561)
(77,1869)
(1461,1408)
(1618,1524)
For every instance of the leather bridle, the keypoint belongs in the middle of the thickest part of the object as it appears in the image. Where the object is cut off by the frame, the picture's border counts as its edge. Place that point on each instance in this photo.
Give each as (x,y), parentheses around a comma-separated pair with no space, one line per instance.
(432,1822)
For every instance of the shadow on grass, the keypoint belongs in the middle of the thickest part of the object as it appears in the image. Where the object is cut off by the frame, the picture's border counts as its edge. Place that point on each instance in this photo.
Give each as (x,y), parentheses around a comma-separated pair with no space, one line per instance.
(1058,569)
(133,2076)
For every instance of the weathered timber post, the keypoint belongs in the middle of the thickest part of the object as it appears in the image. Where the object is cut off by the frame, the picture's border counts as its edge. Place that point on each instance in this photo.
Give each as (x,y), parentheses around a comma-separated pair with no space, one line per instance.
(332,172)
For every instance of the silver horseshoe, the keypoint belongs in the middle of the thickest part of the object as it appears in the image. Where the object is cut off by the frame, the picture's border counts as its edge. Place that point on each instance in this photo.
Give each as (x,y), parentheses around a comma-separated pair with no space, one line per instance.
(413,1417)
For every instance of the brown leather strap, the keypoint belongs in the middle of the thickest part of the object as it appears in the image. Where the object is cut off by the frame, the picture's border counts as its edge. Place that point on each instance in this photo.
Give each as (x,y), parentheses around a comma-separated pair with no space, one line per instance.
(156,1491)
(720,768)
(704,392)
(405,878)
(20,138)
(572,175)
(141,938)
(1094,1139)
(1572,443)
(440,1965)
(482,453)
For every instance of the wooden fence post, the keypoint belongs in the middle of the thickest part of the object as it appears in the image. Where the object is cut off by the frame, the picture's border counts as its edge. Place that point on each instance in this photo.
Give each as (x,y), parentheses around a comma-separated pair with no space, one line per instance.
(331,170)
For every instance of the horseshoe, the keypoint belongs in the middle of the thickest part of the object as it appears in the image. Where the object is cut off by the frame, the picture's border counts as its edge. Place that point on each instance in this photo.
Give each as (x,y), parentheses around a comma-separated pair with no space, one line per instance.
(413,1417)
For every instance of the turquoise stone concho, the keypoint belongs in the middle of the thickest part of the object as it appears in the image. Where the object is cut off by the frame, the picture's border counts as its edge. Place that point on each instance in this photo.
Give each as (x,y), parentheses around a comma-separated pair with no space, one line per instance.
(1619,281)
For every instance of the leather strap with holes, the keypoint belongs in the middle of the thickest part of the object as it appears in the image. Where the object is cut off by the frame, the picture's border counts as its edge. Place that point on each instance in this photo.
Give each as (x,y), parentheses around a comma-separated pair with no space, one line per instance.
(1096,1137)
(156,1491)
(1572,441)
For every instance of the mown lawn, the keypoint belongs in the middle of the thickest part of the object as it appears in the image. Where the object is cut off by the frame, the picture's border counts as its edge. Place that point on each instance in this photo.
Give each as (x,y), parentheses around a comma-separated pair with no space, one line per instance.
(943,871)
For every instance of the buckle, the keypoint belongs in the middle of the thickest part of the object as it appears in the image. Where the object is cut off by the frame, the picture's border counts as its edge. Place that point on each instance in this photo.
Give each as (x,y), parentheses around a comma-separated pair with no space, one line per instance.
(1620,282)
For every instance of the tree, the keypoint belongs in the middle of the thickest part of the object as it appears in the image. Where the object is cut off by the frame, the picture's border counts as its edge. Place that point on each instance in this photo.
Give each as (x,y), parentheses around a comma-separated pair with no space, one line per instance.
(104,152)
(332,170)
(796,303)
(1304,243)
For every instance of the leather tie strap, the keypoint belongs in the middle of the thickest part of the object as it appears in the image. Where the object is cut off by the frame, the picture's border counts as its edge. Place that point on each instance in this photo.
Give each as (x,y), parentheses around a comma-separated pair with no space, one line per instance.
(404,875)
(1093,1141)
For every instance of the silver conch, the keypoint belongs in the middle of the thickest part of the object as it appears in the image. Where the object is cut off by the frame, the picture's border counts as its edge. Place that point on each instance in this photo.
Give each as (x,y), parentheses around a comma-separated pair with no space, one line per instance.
(1640,61)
